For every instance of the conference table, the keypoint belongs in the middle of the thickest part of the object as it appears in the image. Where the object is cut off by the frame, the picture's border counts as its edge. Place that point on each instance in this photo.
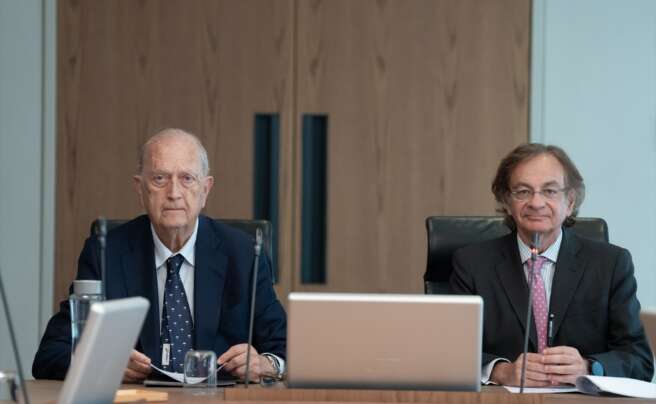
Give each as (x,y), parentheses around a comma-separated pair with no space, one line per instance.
(45,391)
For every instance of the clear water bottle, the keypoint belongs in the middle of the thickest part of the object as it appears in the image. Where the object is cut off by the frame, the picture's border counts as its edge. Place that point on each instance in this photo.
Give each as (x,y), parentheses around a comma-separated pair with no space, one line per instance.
(85,293)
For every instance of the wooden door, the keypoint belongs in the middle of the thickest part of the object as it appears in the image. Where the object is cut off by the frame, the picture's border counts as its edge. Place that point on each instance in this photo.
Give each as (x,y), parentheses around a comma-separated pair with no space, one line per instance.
(422,99)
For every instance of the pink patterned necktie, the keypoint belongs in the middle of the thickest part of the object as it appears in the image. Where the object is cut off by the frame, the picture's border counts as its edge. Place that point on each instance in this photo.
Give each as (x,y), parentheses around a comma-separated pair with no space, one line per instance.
(540,306)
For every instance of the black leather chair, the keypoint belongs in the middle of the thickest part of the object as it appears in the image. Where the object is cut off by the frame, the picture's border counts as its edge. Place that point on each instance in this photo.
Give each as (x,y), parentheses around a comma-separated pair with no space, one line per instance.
(446,234)
(248,226)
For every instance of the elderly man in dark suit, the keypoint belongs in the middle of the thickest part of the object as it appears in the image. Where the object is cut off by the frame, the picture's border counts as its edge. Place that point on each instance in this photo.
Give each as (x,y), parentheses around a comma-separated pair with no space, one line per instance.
(585,310)
(194,271)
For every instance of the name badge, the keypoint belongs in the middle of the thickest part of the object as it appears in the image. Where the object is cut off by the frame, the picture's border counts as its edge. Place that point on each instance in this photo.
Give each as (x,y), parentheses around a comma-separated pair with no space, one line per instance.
(166,354)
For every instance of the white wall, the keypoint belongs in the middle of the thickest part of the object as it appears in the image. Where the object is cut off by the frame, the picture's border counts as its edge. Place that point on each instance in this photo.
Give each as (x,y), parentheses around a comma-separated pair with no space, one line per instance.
(27,90)
(594,93)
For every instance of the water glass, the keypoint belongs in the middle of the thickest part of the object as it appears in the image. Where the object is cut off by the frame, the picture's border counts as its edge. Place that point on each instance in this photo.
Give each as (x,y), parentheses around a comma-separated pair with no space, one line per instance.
(200,369)
(85,293)
(8,386)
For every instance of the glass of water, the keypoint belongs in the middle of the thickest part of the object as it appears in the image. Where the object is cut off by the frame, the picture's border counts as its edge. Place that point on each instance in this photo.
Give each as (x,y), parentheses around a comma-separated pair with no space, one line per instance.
(200,369)
(8,387)
(85,293)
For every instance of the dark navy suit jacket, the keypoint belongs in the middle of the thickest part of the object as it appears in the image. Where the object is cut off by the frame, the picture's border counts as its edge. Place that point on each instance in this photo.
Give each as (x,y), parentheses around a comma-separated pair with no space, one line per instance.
(593,300)
(222,279)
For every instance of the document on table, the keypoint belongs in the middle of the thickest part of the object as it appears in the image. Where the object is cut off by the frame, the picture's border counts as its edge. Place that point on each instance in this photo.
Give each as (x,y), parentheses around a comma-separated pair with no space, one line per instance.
(179,377)
(161,377)
(622,386)
(596,385)
(543,390)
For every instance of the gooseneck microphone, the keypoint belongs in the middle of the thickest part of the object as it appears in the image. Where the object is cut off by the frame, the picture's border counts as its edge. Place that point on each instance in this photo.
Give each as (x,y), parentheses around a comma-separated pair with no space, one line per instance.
(101,233)
(535,246)
(256,253)
(14,346)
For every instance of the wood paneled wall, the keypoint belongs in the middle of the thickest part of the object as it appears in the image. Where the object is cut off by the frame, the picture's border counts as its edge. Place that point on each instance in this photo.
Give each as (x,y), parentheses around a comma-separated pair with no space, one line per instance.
(423,97)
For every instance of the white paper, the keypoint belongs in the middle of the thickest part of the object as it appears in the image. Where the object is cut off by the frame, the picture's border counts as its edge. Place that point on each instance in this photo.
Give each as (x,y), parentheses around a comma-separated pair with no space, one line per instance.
(543,390)
(179,377)
(616,385)
(622,386)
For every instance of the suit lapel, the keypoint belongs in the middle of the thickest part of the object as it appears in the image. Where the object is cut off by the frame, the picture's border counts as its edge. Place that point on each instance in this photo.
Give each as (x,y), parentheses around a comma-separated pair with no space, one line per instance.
(141,280)
(209,278)
(511,276)
(569,271)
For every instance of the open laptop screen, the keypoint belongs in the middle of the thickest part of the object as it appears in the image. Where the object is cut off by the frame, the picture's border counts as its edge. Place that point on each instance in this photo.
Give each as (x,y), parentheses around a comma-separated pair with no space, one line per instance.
(384,341)
(102,355)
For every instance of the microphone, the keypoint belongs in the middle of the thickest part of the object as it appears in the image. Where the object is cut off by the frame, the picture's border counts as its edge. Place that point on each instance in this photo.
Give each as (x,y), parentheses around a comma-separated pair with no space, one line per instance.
(256,253)
(12,336)
(101,233)
(535,245)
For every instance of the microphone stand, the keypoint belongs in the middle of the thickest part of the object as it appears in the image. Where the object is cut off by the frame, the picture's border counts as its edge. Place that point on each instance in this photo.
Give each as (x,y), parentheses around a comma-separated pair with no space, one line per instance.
(257,251)
(101,233)
(14,346)
(534,256)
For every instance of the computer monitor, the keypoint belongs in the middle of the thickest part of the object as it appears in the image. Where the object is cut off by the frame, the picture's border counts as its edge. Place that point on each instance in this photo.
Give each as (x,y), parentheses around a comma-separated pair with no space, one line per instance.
(424,342)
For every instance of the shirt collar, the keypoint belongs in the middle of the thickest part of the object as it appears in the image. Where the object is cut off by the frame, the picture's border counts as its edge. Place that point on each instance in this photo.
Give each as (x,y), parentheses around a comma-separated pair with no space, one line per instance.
(550,253)
(162,252)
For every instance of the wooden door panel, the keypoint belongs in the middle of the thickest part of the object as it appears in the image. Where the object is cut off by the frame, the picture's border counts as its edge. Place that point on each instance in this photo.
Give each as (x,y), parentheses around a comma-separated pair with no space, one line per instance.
(422,98)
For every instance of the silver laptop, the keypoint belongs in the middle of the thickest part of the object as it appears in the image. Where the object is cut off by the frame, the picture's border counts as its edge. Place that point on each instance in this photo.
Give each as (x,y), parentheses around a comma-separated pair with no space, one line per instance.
(102,355)
(648,317)
(384,341)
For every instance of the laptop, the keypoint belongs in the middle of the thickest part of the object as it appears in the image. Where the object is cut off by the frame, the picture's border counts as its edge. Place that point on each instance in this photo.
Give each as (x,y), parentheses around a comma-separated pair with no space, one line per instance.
(419,342)
(648,317)
(109,335)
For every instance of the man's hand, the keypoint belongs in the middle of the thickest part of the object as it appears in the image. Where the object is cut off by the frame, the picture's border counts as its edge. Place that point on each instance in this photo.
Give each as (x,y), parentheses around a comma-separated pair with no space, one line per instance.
(138,368)
(234,361)
(510,374)
(564,364)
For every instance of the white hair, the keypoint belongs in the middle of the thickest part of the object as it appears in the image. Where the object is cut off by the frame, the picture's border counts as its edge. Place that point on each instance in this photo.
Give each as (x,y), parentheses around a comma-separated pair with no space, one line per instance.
(175,132)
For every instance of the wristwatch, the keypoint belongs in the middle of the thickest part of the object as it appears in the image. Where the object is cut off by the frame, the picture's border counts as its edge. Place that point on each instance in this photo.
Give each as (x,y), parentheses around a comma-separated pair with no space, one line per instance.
(277,368)
(596,368)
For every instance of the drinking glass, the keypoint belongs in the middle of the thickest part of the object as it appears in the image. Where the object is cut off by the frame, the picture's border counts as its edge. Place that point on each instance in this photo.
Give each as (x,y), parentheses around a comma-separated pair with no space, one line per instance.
(200,369)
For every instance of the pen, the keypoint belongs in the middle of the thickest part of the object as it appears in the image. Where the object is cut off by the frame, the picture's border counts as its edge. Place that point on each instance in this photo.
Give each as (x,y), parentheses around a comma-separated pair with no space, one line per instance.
(550,330)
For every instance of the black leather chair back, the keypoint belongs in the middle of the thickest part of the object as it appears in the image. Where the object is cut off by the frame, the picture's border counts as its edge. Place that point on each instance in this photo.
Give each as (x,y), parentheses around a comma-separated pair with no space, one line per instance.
(248,226)
(446,234)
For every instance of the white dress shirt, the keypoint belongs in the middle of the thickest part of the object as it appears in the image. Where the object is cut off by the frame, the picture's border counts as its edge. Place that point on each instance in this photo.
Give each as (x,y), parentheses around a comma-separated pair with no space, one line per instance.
(162,253)
(548,270)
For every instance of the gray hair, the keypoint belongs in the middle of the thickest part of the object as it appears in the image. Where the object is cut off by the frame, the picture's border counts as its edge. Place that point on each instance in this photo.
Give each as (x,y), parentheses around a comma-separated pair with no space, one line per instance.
(175,132)
(525,152)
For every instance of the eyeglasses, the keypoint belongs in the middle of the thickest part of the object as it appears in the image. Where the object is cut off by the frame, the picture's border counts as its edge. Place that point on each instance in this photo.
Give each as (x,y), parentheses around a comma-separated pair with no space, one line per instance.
(161,180)
(525,194)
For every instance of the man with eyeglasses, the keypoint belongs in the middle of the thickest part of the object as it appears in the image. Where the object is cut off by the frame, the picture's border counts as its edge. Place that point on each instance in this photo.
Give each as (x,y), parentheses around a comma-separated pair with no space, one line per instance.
(584,306)
(195,272)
